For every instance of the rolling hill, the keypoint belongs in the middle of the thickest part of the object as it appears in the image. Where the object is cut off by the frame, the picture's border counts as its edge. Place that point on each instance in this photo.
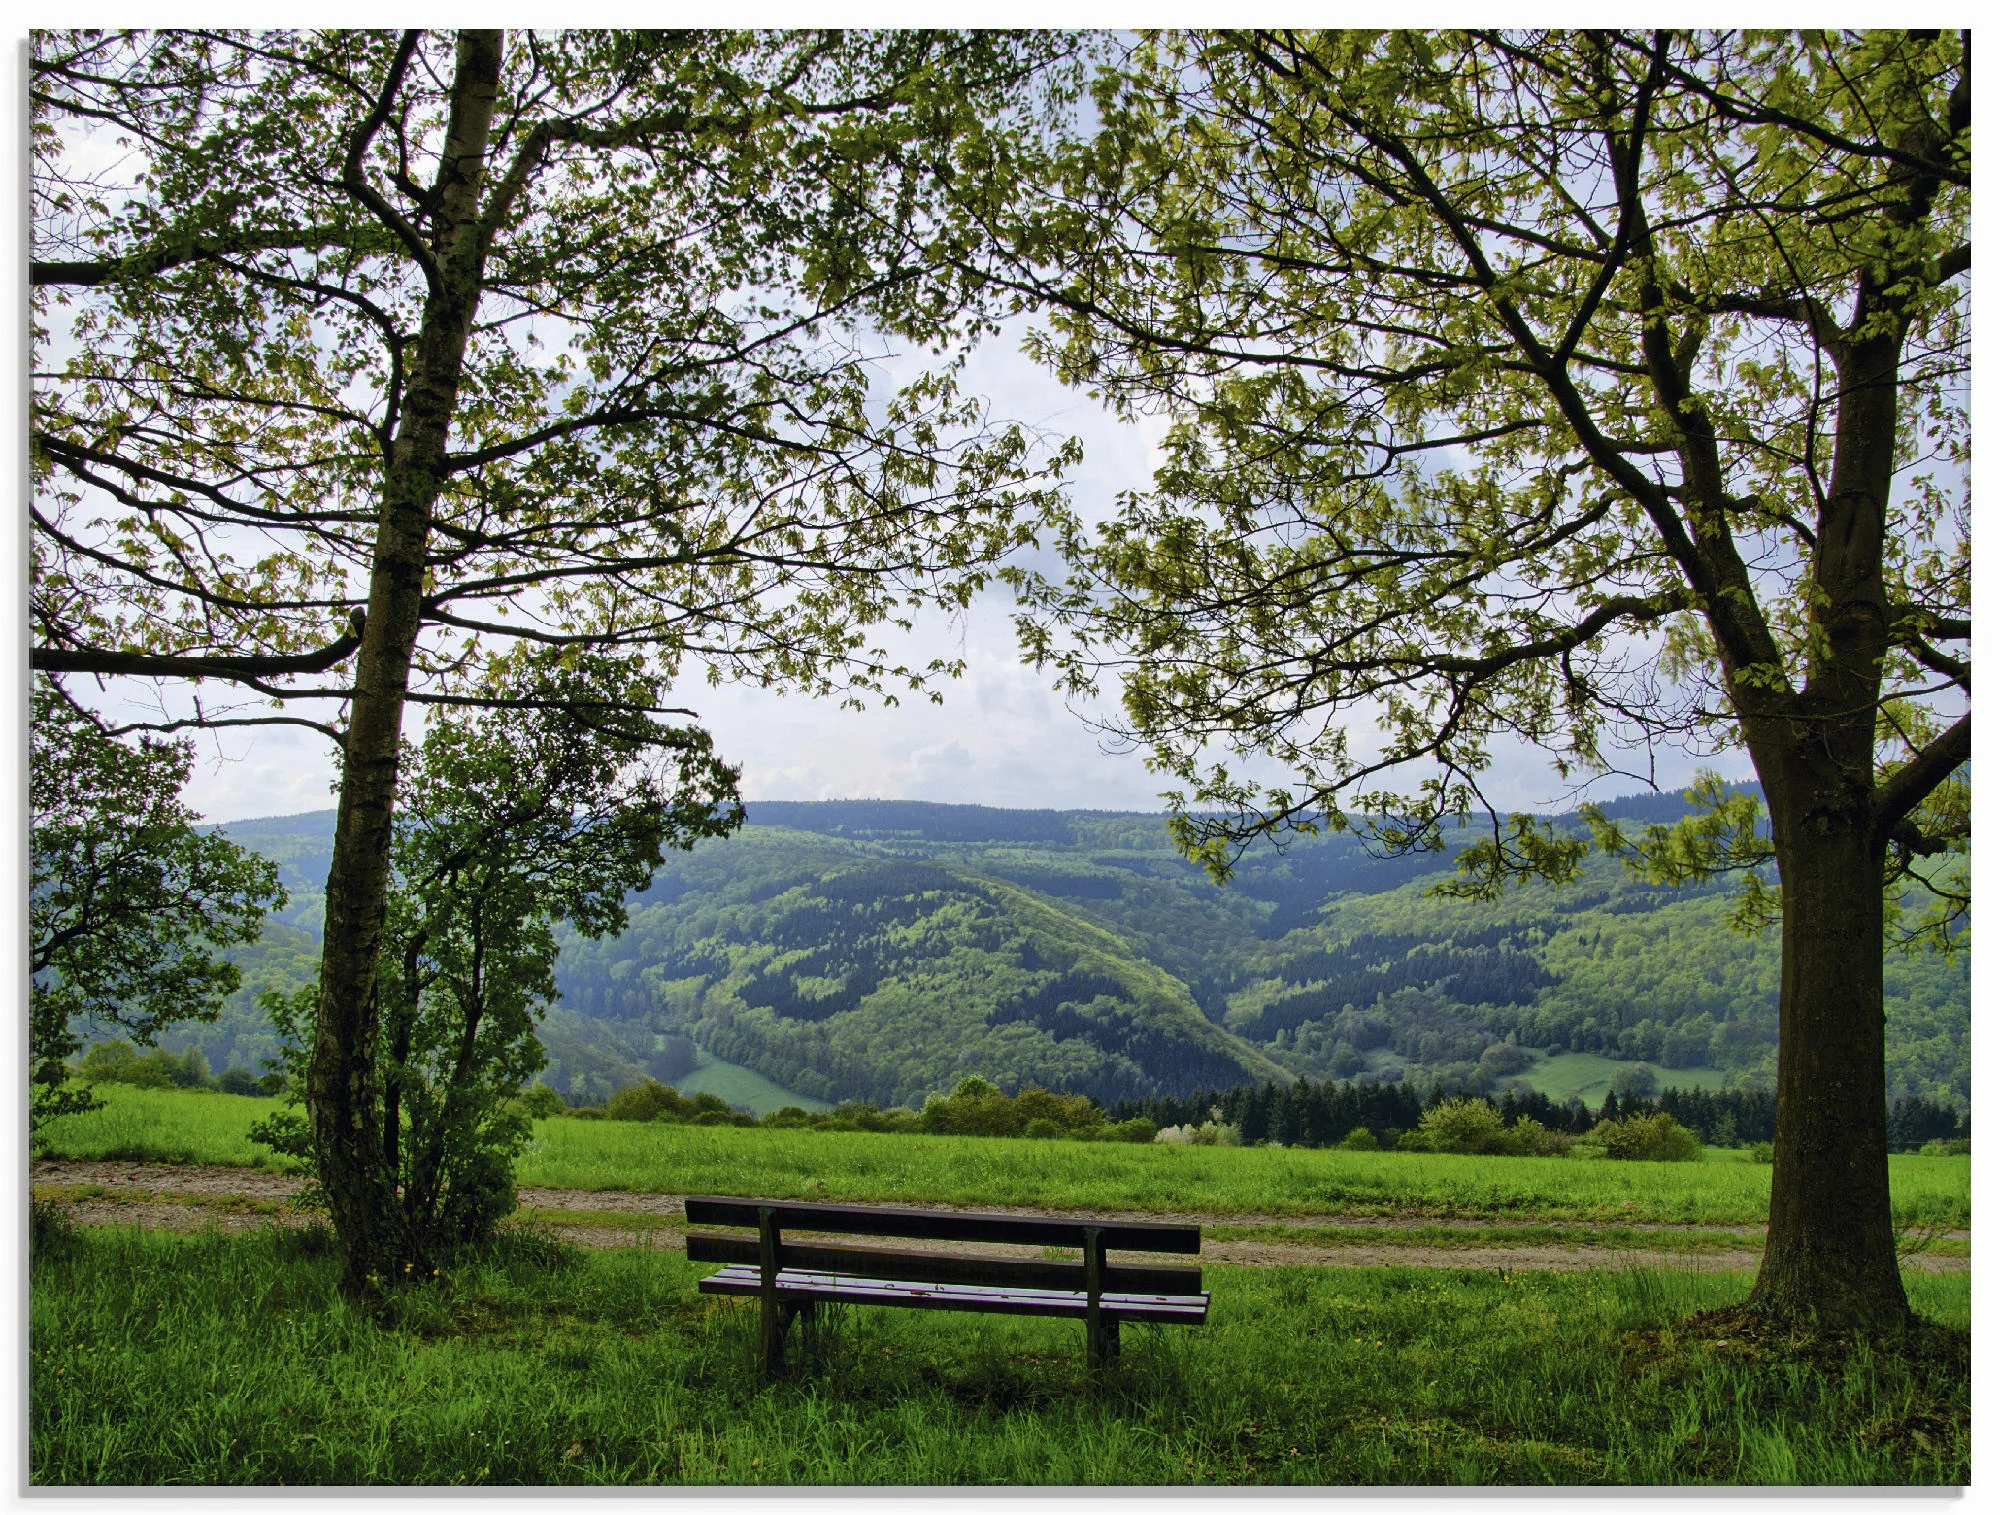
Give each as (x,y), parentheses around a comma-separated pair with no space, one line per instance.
(884,949)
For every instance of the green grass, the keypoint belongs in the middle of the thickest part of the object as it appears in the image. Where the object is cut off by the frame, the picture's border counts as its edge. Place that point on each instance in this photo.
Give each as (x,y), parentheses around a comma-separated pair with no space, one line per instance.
(742,1086)
(866,1166)
(161,1359)
(863,1166)
(166,1126)
(1588,1076)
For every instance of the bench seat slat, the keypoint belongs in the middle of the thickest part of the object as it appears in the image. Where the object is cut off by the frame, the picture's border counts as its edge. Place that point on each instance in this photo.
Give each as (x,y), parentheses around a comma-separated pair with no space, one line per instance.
(934,1225)
(803,1284)
(913,1266)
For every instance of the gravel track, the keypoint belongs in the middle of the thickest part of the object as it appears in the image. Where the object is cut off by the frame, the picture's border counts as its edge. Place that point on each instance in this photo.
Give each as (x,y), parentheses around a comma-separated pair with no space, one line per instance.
(177,1197)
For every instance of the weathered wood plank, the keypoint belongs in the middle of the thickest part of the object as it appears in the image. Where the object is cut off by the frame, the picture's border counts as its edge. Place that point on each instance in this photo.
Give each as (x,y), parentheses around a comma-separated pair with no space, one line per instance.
(808,1285)
(941,1225)
(949,1267)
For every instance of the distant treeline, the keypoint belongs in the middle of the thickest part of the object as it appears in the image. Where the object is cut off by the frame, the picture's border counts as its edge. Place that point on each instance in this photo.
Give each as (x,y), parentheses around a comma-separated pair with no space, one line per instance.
(1309,1114)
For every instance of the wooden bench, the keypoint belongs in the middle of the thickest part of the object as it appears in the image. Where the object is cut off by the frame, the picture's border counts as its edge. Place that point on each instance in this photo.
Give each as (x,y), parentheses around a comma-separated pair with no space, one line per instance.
(791,1278)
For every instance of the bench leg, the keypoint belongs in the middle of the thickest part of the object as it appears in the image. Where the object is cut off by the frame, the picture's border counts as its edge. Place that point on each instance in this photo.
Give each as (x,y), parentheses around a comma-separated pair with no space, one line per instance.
(1102,1342)
(771,1333)
(1100,1333)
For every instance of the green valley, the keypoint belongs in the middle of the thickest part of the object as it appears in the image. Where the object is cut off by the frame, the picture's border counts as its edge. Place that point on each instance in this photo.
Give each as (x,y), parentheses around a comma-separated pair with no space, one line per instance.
(883,950)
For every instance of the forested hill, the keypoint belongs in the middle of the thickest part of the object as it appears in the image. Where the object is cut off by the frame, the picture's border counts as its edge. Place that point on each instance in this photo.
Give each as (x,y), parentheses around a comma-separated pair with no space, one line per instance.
(884,949)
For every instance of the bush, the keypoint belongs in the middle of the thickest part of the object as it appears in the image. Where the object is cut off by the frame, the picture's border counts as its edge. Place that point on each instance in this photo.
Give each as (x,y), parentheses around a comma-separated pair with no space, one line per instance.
(1360,1139)
(1067,1112)
(1503,1058)
(788,1118)
(1757,1152)
(239,1081)
(115,1062)
(1463,1125)
(1138,1129)
(1208,1134)
(861,1115)
(1946,1146)
(1042,1129)
(649,1099)
(1528,1137)
(189,1070)
(538,1102)
(1648,1138)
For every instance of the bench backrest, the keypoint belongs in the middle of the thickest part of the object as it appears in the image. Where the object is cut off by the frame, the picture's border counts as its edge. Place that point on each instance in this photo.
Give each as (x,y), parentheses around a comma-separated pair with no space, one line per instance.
(944,1225)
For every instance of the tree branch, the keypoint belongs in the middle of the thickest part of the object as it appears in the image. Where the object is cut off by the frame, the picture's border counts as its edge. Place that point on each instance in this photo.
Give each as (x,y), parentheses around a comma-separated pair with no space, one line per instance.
(242,670)
(1906,788)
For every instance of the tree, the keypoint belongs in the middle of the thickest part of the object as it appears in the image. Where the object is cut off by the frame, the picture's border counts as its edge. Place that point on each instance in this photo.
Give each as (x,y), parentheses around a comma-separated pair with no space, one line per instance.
(388,353)
(126,900)
(1600,391)
(509,826)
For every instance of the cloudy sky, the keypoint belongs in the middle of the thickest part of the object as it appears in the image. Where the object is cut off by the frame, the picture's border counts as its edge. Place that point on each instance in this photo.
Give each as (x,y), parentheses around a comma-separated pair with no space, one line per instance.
(1001,735)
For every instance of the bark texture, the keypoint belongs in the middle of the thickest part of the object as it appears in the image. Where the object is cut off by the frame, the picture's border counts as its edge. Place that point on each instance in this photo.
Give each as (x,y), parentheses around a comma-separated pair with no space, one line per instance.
(1830,1257)
(343,1097)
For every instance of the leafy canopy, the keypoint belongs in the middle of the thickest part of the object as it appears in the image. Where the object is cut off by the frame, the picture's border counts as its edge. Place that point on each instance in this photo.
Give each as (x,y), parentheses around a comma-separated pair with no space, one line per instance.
(127,901)
(1600,391)
(679,429)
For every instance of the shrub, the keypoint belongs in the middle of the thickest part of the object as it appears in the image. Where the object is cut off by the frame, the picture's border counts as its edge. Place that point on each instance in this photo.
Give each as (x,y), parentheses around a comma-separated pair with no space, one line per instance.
(974,1108)
(189,1070)
(538,1102)
(1463,1125)
(1360,1139)
(1946,1146)
(1208,1134)
(1528,1137)
(1042,1129)
(1757,1152)
(788,1118)
(115,1062)
(1655,1138)
(861,1115)
(1068,1112)
(1138,1129)
(649,1099)
(239,1081)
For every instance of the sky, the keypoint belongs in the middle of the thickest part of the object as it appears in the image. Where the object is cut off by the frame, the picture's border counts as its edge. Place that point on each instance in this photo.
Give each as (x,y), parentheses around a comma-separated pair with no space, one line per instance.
(1001,735)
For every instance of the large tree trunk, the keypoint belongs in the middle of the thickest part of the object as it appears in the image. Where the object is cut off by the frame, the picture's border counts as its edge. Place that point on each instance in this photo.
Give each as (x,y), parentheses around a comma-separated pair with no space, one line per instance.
(343,1096)
(1830,1258)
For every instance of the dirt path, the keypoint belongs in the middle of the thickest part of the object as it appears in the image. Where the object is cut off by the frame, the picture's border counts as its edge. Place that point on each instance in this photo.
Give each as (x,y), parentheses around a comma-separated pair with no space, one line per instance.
(233,1199)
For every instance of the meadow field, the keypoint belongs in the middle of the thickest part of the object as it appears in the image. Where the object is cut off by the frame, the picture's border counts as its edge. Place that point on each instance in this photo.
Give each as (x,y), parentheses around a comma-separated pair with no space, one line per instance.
(212,1358)
(650,1157)
(161,1359)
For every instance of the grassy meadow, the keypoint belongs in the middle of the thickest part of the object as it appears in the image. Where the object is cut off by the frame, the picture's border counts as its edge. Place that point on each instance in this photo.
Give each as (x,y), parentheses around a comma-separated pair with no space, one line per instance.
(158,1358)
(742,1086)
(1727,1189)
